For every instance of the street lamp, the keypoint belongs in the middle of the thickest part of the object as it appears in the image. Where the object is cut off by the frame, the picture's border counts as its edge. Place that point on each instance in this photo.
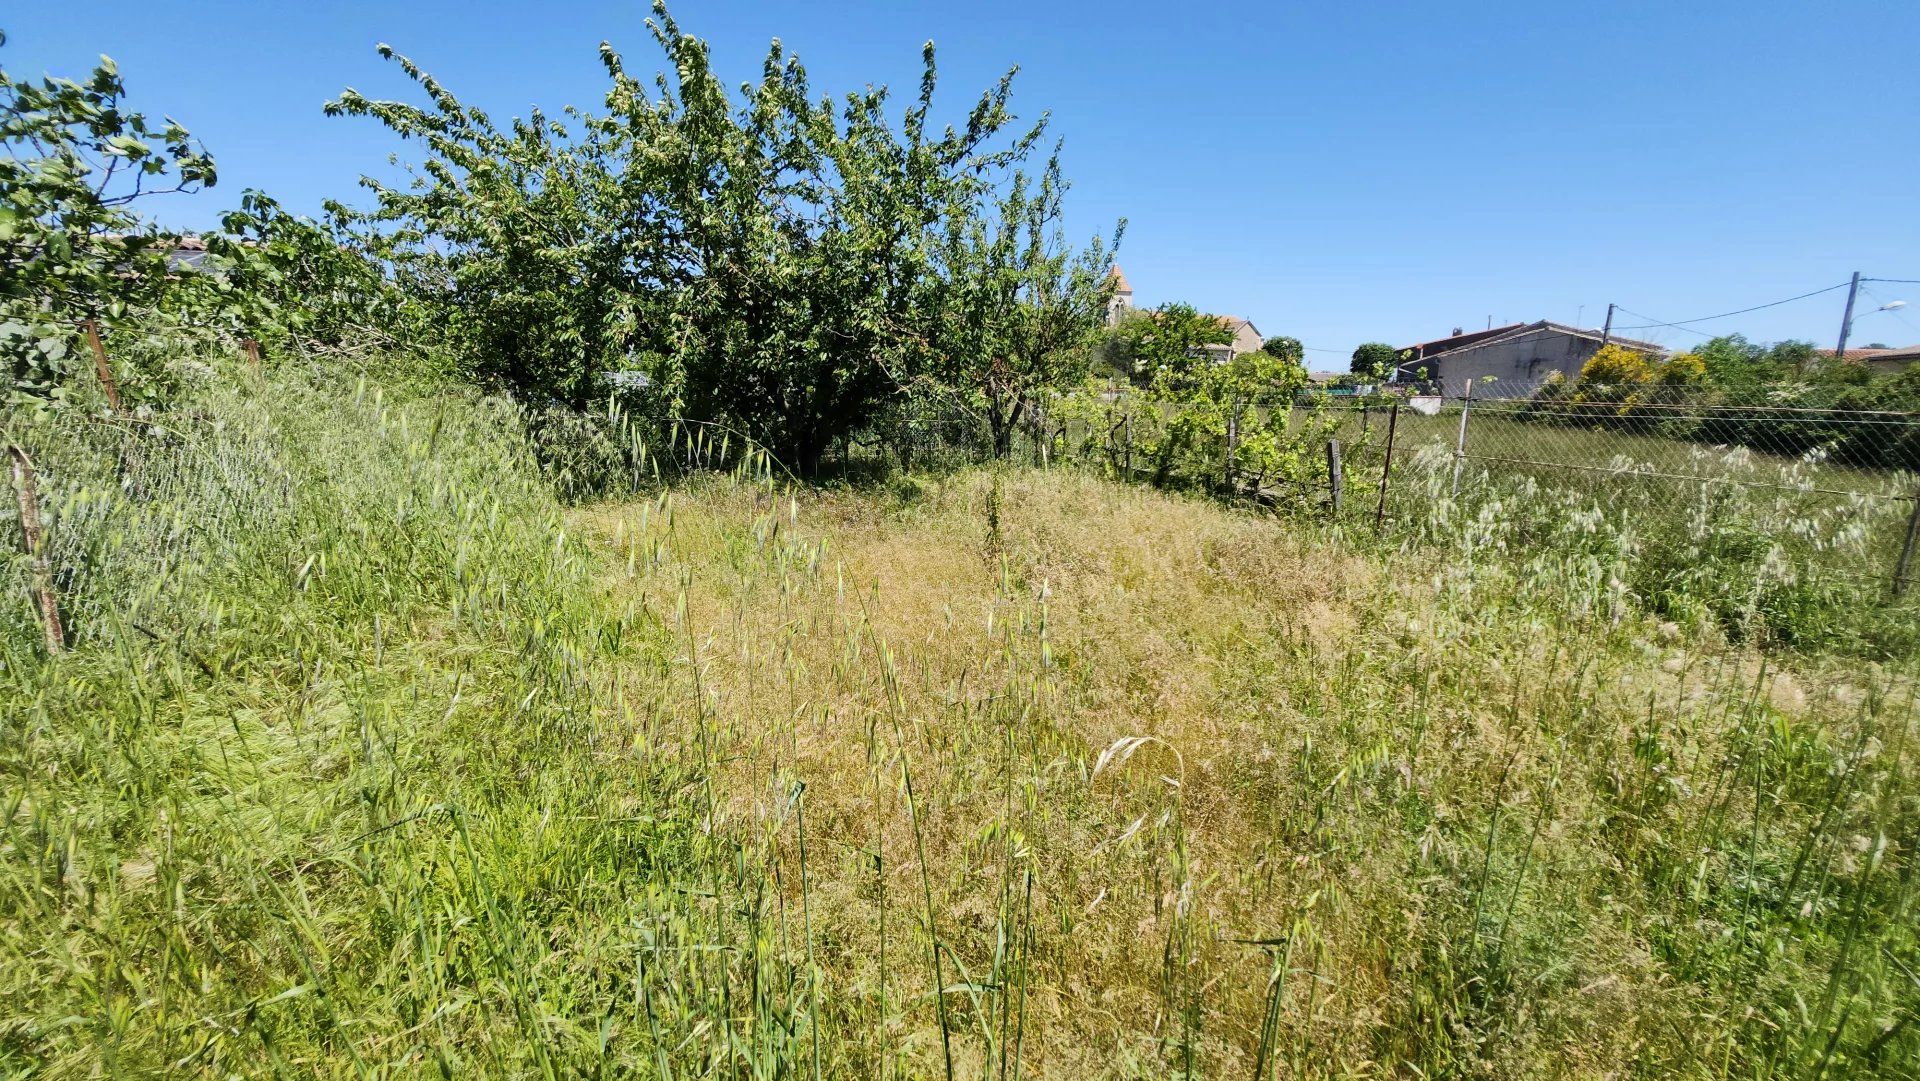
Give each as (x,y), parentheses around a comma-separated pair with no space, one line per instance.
(1846,320)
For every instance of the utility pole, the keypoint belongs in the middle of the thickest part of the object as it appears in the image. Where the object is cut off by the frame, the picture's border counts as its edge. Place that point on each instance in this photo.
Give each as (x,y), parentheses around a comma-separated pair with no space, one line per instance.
(1846,321)
(1606,332)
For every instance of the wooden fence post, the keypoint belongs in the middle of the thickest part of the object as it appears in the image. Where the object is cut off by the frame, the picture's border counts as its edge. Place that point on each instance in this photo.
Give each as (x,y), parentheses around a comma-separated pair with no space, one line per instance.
(1906,549)
(34,536)
(1336,484)
(1233,445)
(1110,427)
(1460,442)
(1386,468)
(101,368)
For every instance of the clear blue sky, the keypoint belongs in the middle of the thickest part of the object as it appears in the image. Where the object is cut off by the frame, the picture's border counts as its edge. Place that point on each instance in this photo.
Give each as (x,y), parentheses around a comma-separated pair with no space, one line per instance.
(1338,172)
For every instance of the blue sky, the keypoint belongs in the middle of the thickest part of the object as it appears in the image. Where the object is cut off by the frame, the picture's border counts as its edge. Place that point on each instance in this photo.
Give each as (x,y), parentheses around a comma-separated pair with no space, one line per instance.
(1338,172)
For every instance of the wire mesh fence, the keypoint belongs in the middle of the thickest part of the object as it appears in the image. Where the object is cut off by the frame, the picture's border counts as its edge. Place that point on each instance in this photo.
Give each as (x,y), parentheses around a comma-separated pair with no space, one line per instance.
(1820,484)
(1781,520)
(125,511)
(1735,507)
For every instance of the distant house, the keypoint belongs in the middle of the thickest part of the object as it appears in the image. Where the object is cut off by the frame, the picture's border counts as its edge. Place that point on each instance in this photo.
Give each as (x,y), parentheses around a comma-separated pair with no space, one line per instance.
(1883,359)
(1516,358)
(1246,339)
(187,252)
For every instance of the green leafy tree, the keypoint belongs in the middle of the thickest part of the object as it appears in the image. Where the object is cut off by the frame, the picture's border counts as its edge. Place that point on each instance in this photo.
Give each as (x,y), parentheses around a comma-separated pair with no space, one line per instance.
(1166,348)
(1014,307)
(521,240)
(73,247)
(766,257)
(1742,368)
(1285,348)
(1374,360)
(278,277)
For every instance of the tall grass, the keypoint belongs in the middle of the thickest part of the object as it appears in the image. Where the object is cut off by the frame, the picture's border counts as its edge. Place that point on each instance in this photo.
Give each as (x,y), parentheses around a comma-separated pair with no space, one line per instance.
(339,778)
(1287,810)
(372,758)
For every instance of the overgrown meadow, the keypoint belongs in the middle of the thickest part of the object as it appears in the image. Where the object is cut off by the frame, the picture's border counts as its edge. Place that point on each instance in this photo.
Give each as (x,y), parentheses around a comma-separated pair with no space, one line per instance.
(658,593)
(371,757)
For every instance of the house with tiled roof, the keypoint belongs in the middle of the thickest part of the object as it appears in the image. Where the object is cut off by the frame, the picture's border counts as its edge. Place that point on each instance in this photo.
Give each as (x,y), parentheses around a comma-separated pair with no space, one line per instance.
(1245,336)
(1889,360)
(1513,359)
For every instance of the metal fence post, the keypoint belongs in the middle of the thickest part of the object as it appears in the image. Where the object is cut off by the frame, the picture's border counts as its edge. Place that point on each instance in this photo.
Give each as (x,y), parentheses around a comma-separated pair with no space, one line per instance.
(1386,469)
(1460,442)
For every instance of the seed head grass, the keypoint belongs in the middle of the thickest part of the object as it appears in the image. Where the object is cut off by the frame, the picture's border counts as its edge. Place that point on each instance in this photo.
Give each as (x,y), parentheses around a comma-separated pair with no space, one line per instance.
(371,758)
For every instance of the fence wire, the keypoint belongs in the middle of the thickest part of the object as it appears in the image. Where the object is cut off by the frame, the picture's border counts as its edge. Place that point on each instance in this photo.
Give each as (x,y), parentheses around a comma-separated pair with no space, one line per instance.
(1801,520)
(1699,498)
(1828,492)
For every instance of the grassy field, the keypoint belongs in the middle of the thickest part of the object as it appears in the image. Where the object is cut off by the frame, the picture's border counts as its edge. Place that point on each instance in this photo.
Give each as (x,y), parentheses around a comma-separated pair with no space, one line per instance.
(400,768)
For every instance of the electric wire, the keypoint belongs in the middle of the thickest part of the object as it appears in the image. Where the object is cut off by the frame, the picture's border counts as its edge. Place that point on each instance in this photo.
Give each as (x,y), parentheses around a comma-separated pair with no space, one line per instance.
(1682,323)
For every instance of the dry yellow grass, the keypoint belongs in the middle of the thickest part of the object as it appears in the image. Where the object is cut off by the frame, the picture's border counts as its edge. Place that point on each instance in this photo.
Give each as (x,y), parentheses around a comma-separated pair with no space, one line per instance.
(1326,741)
(710,785)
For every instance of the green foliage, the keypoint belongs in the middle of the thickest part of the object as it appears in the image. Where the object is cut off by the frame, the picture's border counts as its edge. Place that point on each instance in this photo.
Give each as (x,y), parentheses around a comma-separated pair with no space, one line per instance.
(523,244)
(334,739)
(782,262)
(1777,399)
(1737,365)
(1374,359)
(285,279)
(1285,348)
(1010,308)
(78,163)
(1166,348)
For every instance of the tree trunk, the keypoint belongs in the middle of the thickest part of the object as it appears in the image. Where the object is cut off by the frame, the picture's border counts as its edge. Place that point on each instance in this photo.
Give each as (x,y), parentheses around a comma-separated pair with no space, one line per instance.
(1003,418)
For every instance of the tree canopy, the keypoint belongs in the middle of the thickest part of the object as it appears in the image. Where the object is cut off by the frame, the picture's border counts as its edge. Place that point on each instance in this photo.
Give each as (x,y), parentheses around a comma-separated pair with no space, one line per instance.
(1166,347)
(73,247)
(1285,348)
(782,261)
(1374,359)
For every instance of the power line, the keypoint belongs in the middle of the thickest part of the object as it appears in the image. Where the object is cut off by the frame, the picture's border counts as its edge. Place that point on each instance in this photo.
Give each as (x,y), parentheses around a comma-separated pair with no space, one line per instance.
(1681,324)
(1656,323)
(1883,309)
(1894,281)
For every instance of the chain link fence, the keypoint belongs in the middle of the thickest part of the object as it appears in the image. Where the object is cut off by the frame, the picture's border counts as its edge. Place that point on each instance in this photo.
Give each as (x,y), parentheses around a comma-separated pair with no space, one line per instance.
(1745,514)
(1777,520)
(1828,479)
